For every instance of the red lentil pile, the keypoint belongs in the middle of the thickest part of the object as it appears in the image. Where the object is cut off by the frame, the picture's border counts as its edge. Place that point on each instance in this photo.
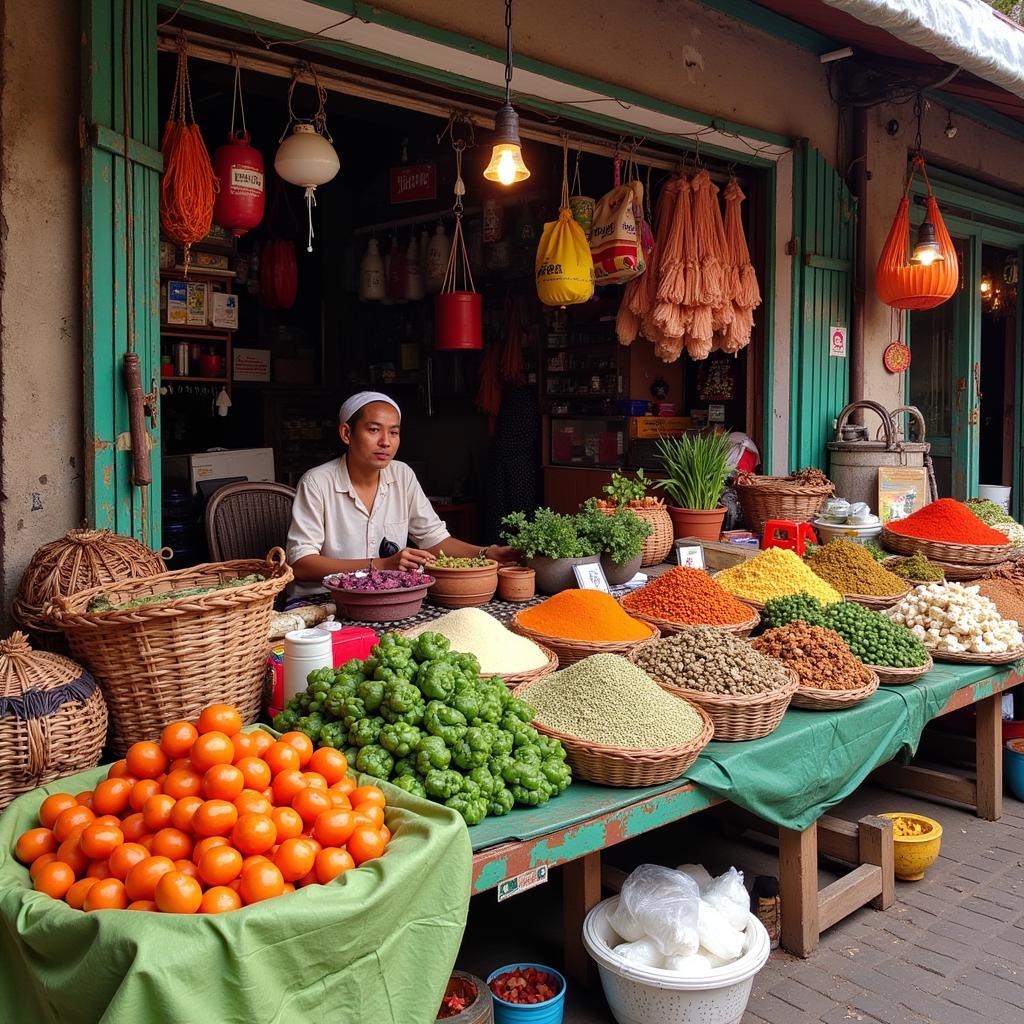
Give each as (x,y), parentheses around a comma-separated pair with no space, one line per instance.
(690,596)
(947,521)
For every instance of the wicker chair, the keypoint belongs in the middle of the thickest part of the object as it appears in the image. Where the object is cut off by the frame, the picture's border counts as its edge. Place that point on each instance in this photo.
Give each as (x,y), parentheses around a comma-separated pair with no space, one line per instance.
(246,520)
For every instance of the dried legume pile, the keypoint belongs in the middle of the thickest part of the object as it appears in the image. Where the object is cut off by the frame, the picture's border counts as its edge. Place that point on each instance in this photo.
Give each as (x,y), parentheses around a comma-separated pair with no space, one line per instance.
(590,615)
(993,515)
(774,572)
(819,656)
(499,650)
(690,596)
(711,661)
(948,521)
(851,570)
(1007,597)
(608,700)
(918,568)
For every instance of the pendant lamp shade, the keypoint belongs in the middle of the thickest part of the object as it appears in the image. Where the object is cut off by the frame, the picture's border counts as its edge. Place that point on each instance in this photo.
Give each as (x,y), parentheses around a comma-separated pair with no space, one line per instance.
(306,158)
(506,165)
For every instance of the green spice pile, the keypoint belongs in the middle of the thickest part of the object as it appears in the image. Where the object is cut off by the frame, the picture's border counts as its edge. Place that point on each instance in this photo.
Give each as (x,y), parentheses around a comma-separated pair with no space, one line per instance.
(993,515)
(819,656)
(852,570)
(875,550)
(101,604)
(710,661)
(874,638)
(608,700)
(444,561)
(918,568)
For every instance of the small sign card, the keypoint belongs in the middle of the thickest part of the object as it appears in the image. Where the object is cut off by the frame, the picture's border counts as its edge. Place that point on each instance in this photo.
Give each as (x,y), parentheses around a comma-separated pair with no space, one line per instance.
(690,556)
(837,341)
(590,576)
(520,883)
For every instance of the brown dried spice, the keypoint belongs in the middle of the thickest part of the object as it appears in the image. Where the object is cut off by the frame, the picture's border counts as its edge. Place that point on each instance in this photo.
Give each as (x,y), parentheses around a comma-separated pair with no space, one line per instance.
(819,656)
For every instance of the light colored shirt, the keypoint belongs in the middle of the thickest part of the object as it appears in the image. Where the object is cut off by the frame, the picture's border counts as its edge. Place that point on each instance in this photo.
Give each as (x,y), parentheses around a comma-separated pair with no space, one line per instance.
(330,519)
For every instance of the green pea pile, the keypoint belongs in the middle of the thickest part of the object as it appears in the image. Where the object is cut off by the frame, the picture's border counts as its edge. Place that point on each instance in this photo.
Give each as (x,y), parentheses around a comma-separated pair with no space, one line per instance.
(444,561)
(875,639)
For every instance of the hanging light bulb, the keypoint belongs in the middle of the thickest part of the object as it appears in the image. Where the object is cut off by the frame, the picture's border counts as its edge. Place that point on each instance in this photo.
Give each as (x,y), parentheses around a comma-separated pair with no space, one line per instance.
(927,250)
(507,166)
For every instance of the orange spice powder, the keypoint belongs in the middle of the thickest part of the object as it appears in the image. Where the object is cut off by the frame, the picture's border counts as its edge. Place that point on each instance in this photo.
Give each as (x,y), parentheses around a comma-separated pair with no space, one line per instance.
(590,615)
(690,596)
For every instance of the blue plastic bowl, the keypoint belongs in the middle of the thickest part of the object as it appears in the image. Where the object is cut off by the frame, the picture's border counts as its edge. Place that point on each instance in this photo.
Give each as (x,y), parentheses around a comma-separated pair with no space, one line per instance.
(1013,767)
(549,1012)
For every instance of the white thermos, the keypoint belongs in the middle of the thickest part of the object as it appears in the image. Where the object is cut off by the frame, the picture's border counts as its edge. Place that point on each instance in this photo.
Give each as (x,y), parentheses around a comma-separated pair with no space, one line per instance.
(305,650)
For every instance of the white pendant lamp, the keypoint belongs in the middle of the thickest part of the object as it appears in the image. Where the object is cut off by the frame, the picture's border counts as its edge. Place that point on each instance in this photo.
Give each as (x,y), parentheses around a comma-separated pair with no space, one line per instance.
(506,165)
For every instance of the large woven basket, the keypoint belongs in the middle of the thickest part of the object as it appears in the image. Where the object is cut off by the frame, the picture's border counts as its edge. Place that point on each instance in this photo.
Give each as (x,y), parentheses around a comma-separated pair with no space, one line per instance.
(80,560)
(745,717)
(812,699)
(667,627)
(940,551)
(571,651)
(964,658)
(878,603)
(626,766)
(53,719)
(899,676)
(165,661)
(774,497)
(659,544)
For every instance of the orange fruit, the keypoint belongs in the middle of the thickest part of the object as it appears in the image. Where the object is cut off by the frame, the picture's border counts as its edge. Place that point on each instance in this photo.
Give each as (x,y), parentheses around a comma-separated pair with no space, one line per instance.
(208,843)
(35,842)
(245,745)
(261,882)
(177,893)
(332,861)
(214,818)
(331,764)
(289,823)
(142,905)
(346,785)
(310,803)
(141,880)
(156,811)
(134,827)
(84,798)
(261,742)
(146,841)
(67,821)
(339,800)
(178,763)
(99,841)
(111,796)
(220,718)
(75,896)
(146,760)
(118,770)
(98,869)
(52,806)
(108,819)
(220,865)
(255,858)
(295,858)
(124,858)
(211,748)
(39,863)
(370,814)
(219,900)
(55,879)
(314,780)
(249,801)
(281,757)
(367,795)
(333,827)
(187,867)
(183,782)
(71,853)
(287,785)
(309,879)
(184,812)
(254,833)
(224,782)
(302,744)
(177,738)
(142,791)
(385,834)
(106,894)
(172,843)
(365,844)
(255,772)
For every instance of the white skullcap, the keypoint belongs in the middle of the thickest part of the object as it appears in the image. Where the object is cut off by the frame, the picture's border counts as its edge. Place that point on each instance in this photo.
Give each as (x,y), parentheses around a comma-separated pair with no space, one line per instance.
(352,405)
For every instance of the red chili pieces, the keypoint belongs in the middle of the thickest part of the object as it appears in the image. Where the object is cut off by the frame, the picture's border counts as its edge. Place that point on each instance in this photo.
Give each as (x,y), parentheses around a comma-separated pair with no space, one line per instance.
(525,985)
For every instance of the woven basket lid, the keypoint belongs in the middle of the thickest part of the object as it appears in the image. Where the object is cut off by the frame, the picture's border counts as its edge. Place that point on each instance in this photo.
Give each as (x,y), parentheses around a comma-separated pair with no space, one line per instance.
(38,678)
(80,560)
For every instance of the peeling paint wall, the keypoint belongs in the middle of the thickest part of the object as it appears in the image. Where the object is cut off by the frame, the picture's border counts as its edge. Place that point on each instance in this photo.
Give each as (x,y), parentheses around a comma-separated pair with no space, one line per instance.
(41,482)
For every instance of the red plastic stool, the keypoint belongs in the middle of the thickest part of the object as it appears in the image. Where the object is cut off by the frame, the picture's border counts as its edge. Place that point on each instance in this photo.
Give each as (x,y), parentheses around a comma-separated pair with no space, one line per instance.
(786,533)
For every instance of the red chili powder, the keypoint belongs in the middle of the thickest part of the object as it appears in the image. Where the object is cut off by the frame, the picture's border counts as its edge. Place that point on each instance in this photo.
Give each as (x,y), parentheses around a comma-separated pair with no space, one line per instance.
(947,520)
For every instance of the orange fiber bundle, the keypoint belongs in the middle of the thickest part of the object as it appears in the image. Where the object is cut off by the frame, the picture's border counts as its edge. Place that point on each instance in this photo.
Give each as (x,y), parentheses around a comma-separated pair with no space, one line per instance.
(189,187)
(670,316)
(742,281)
(640,293)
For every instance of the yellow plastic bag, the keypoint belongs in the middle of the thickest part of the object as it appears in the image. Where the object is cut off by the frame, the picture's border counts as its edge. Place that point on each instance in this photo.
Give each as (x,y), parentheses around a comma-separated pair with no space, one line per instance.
(564,268)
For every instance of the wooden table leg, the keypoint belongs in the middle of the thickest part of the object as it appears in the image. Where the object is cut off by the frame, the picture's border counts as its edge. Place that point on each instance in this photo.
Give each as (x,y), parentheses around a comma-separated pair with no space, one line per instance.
(582,892)
(798,889)
(874,842)
(989,756)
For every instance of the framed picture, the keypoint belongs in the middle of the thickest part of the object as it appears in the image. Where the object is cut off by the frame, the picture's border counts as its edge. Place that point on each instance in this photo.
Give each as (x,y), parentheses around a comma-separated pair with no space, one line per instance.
(590,576)
(691,556)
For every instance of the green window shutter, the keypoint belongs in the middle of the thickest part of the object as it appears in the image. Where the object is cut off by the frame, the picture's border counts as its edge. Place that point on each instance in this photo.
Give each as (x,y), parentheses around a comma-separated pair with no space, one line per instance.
(112,502)
(824,218)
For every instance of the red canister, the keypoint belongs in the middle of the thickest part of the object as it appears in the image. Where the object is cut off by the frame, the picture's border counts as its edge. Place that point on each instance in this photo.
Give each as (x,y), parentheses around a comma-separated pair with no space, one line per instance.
(458,321)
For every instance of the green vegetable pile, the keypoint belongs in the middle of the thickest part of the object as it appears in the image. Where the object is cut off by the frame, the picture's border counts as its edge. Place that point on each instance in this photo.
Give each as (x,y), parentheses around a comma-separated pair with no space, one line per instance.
(101,604)
(418,714)
(444,561)
(875,639)
(877,552)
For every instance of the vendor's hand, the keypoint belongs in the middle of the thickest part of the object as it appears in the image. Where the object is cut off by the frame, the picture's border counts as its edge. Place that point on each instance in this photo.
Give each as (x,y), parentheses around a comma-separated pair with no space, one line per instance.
(409,560)
(503,556)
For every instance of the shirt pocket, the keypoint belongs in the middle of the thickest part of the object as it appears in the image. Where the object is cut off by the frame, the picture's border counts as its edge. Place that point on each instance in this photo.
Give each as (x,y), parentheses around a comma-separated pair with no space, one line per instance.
(397,532)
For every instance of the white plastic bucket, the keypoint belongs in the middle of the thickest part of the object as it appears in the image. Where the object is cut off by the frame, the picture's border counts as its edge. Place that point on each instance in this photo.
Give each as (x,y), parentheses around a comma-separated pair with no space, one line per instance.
(648,995)
(995,493)
(858,534)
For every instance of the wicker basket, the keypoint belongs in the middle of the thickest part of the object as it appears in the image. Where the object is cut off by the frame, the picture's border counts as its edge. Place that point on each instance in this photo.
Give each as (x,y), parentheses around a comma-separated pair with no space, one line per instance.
(812,699)
(878,603)
(571,651)
(774,497)
(940,551)
(626,766)
(898,676)
(963,658)
(520,678)
(745,717)
(667,627)
(80,560)
(659,544)
(53,719)
(968,573)
(893,560)
(166,661)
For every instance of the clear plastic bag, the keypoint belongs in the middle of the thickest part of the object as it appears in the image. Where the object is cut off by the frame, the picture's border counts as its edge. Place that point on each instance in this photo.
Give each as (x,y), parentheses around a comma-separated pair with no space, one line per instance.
(698,873)
(643,952)
(728,894)
(717,936)
(663,903)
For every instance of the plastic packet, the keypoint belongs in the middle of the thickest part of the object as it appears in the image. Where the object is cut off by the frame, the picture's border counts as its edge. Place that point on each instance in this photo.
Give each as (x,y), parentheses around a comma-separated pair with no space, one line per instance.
(694,966)
(644,951)
(624,924)
(717,935)
(698,873)
(663,903)
(728,894)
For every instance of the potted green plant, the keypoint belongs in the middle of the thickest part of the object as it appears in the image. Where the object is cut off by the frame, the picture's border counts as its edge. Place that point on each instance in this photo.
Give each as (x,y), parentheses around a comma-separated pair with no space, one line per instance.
(619,537)
(551,544)
(696,467)
(631,493)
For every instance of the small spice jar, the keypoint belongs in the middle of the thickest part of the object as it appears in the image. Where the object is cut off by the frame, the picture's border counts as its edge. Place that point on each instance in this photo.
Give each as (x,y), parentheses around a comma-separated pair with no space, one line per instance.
(516,583)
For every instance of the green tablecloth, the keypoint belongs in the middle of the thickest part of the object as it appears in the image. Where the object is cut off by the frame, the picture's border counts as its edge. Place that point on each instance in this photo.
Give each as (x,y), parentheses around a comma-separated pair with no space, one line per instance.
(377,943)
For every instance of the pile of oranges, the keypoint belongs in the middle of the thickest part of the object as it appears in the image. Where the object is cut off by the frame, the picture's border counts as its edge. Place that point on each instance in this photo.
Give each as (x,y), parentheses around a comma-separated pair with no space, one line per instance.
(207,820)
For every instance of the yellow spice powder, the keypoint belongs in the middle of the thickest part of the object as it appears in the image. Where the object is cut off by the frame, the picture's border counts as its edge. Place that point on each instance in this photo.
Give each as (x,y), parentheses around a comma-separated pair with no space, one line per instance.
(775,572)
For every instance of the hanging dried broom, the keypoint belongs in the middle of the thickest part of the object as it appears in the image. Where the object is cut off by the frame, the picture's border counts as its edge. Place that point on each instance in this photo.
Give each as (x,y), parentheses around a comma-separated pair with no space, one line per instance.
(669,316)
(640,293)
(722,314)
(746,294)
(709,254)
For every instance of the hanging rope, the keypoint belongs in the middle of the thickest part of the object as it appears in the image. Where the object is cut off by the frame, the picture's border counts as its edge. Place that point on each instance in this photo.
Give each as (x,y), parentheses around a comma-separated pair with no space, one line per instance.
(458,256)
(238,99)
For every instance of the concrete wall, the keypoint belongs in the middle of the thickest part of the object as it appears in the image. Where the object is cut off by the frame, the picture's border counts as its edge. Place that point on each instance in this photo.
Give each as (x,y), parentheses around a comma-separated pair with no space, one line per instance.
(41,483)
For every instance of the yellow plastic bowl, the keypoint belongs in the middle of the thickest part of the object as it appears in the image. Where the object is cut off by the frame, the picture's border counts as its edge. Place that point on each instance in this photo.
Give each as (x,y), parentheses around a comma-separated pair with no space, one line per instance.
(913,855)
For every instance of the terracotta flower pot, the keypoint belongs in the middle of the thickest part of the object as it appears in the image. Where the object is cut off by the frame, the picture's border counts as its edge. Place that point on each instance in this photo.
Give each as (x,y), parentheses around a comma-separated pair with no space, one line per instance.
(704,524)
(463,588)
(615,574)
(516,583)
(555,574)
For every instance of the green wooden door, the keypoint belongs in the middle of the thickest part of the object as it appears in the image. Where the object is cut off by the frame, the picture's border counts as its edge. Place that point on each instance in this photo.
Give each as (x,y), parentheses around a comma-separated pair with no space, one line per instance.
(113,66)
(824,216)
